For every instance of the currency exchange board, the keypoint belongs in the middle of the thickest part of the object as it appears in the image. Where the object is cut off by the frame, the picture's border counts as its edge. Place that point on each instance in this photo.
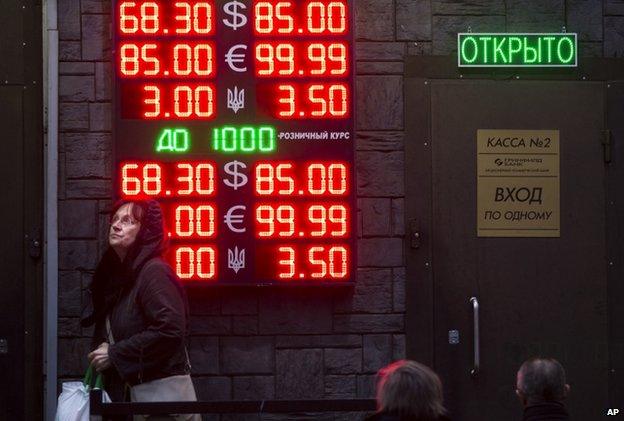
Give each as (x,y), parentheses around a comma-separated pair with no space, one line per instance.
(238,117)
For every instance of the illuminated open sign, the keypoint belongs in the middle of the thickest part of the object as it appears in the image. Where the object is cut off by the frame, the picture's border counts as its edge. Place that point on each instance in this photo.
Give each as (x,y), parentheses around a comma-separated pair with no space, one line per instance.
(517,50)
(238,117)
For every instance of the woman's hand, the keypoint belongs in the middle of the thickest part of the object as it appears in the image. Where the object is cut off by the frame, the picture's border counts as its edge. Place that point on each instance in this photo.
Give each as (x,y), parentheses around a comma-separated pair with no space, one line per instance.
(99,358)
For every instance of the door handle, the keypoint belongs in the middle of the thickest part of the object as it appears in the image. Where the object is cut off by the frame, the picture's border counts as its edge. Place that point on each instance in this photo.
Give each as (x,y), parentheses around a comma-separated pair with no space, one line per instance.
(477,354)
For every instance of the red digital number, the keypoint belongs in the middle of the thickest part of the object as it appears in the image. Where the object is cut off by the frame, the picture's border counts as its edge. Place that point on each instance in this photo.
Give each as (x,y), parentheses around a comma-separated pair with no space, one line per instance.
(334,216)
(192,262)
(287,59)
(309,18)
(269,216)
(139,59)
(271,18)
(290,221)
(194,221)
(268,174)
(149,179)
(286,261)
(196,19)
(193,59)
(316,262)
(184,60)
(313,101)
(326,17)
(195,180)
(327,59)
(142,17)
(158,18)
(319,179)
(137,180)
(268,55)
(287,101)
(192,102)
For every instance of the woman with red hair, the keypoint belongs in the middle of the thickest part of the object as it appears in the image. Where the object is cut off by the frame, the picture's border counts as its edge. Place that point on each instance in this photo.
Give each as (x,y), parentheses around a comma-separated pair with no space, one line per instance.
(409,391)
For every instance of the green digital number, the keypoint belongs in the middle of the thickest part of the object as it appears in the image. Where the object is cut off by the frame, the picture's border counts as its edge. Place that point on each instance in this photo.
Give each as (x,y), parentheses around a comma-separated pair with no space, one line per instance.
(244,139)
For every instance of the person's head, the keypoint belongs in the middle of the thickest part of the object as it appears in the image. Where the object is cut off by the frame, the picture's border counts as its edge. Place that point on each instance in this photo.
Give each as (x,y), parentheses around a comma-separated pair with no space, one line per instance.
(125,225)
(541,380)
(411,390)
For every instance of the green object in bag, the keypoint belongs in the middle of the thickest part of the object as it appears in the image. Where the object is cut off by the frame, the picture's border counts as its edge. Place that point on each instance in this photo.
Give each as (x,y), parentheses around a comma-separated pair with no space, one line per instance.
(73,403)
(88,379)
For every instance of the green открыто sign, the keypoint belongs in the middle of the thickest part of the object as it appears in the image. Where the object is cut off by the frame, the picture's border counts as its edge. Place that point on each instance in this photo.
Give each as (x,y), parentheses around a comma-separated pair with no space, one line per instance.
(517,50)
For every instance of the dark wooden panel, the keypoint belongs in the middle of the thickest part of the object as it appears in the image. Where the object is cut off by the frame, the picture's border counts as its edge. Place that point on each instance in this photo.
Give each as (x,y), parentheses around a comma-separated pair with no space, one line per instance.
(21,168)
(12,47)
(615,236)
(419,279)
(12,251)
(32,173)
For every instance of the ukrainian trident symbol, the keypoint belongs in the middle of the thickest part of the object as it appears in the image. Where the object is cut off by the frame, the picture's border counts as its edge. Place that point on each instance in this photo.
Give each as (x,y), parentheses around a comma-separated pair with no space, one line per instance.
(235,99)
(236,259)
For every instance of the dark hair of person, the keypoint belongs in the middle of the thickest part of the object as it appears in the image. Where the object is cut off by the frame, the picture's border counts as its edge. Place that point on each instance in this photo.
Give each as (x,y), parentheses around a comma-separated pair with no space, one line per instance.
(410,390)
(137,209)
(542,379)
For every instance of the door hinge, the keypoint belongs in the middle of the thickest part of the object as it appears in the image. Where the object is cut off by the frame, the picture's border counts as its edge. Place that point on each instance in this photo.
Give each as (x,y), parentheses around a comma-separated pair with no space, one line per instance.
(606,145)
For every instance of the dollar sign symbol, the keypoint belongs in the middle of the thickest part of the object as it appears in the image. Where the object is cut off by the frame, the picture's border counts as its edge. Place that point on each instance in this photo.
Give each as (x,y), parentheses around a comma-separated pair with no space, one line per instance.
(239,179)
(238,19)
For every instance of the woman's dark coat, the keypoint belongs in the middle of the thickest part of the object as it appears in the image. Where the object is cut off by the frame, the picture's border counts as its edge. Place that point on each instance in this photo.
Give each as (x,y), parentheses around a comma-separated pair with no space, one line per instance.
(147,310)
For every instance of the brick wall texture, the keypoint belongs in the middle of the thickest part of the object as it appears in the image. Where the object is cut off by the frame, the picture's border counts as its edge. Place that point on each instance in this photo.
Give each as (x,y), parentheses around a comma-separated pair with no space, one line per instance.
(285,344)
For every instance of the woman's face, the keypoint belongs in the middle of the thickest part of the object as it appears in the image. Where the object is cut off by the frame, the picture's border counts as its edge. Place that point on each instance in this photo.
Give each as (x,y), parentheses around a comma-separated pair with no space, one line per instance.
(123,230)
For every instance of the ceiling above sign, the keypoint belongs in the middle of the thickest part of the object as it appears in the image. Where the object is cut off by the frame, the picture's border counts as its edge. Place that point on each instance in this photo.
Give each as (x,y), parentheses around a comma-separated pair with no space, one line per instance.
(517,50)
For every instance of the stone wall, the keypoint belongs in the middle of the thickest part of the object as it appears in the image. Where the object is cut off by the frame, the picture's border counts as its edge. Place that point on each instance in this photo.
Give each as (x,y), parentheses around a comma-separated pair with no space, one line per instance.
(289,344)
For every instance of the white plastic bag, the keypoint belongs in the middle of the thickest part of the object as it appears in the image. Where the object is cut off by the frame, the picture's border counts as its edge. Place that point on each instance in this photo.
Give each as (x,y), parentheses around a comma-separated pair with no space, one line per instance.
(73,403)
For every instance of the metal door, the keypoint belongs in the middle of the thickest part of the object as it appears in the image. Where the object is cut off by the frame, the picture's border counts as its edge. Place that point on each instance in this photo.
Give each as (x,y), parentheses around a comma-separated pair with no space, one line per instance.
(537,296)
(21,172)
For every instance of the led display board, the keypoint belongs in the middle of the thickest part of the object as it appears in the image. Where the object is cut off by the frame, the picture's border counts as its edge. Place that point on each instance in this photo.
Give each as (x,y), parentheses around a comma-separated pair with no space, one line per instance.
(517,50)
(237,116)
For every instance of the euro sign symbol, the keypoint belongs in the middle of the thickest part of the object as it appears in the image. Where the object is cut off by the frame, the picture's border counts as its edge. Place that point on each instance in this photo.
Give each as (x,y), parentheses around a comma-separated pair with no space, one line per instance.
(239,179)
(232,57)
(231,219)
(237,19)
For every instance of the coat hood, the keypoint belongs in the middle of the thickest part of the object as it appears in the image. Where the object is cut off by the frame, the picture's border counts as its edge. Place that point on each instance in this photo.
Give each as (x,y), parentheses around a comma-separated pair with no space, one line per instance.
(151,238)
(112,276)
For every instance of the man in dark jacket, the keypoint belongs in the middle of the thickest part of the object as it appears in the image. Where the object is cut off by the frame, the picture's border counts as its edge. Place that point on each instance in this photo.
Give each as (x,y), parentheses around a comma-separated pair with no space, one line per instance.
(541,387)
